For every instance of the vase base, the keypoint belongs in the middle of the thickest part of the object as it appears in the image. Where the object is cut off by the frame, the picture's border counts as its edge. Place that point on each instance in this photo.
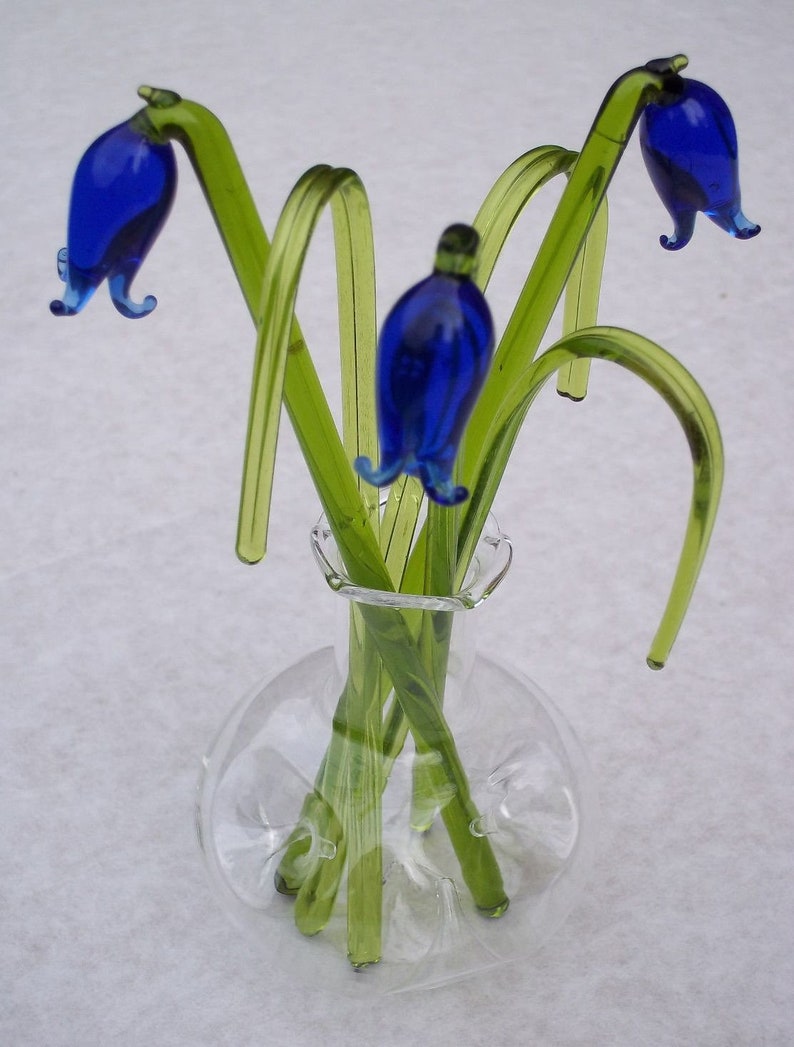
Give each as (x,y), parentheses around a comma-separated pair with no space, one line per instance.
(530,782)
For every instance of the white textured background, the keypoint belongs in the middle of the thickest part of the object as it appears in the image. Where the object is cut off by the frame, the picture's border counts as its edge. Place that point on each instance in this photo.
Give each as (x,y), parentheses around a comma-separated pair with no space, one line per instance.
(129,628)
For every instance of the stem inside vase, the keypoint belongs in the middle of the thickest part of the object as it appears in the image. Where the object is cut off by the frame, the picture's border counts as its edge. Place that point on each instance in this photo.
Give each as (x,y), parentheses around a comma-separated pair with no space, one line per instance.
(398,654)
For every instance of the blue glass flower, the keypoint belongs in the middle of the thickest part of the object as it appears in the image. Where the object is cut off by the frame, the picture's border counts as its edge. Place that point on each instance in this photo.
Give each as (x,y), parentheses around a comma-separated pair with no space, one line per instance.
(121,195)
(689,147)
(433,355)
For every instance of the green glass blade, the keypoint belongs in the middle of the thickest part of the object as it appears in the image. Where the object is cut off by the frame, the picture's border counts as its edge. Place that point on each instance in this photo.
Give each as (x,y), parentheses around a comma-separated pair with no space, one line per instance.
(581,302)
(355,267)
(679,389)
(273,322)
(508,197)
(314,191)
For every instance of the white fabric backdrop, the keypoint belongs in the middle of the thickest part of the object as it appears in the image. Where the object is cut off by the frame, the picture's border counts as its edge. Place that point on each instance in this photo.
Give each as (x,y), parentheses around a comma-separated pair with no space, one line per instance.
(129,628)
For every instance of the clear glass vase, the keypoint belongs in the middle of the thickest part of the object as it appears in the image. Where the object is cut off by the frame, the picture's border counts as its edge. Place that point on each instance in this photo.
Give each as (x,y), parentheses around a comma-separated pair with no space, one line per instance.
(398,811)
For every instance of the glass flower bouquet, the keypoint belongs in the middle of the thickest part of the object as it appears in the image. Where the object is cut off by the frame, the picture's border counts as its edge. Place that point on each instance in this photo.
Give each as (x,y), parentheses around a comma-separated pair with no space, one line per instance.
(420,806)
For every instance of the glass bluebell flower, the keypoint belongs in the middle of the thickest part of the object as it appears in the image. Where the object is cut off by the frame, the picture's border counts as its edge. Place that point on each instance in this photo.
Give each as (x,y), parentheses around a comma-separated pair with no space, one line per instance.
(121,195)
(434,351)
(690,150)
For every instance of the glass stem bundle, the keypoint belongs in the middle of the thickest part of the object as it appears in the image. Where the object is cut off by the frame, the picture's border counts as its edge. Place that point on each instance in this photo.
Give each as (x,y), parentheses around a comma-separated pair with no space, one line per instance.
(404,544)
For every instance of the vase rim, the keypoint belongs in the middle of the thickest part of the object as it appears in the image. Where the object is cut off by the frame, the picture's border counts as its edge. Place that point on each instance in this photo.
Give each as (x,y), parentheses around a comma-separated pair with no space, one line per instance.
(489,565)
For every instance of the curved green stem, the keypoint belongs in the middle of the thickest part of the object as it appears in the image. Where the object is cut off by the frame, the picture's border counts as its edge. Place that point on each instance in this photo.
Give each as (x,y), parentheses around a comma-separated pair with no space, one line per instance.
(320,186)
(507,198)
(358,336)
(499,212)
(679,389)
(218,170)
(566,235)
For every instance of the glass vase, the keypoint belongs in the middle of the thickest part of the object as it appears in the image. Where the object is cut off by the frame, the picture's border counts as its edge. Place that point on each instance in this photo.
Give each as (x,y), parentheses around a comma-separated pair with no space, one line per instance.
(398,811)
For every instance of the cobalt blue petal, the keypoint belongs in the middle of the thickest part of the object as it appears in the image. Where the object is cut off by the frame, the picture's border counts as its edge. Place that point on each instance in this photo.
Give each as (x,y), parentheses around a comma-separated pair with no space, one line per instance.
(433,356)
(122,192)
(690,150)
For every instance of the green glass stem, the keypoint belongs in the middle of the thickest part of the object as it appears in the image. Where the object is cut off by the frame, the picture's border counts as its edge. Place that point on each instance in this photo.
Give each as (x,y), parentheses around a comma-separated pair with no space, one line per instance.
(565,237)
(318,188)
(397,638)
(581,302)
(218,171)
(689,403)
(316,896)
(398,526)
(362,806)
(350,785)
(415,689)
(436,633)
(509,195)
(356,752)
(313,822)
